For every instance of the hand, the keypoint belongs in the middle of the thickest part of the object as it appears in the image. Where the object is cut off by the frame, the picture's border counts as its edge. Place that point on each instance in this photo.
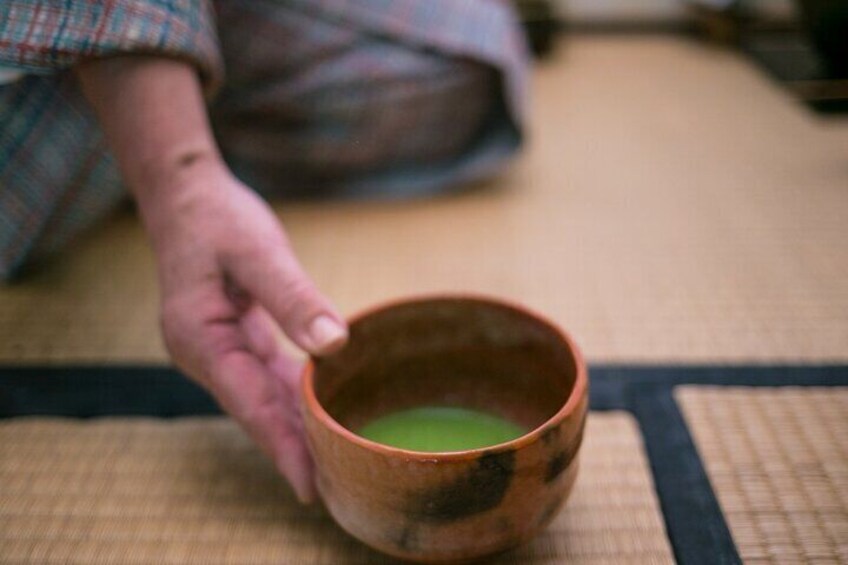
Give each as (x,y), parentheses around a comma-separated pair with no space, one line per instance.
(228,276)
(229,280)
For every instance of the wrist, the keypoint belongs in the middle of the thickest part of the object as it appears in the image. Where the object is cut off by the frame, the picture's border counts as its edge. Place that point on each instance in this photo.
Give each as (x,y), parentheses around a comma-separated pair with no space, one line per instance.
(170,198)
(159,179)
(152,112)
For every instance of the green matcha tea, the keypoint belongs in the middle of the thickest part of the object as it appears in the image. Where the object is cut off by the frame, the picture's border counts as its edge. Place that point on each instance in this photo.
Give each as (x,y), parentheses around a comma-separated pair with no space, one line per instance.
(435,428)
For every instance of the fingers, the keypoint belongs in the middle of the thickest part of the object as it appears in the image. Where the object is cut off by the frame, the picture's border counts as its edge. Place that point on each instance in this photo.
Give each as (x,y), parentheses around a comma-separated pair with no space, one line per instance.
(268,412)
(273,276)
(262,337)
(237,356)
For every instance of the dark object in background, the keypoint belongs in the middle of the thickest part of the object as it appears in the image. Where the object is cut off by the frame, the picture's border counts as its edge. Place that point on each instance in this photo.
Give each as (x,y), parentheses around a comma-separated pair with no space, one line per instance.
(540,25)
(720,24)
(806,54)
(826,23)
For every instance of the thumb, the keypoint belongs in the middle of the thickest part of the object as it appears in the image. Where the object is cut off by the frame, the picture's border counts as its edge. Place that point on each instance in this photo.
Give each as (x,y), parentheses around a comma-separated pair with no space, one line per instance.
(274,278)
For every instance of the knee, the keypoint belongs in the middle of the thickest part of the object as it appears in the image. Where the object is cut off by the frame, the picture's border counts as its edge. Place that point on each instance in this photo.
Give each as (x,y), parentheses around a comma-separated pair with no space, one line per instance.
(317,105)
(371,107)
(410,108)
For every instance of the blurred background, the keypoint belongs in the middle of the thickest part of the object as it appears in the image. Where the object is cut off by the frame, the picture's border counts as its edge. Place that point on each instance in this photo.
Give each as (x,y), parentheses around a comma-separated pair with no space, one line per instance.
(801,43)
(680,199)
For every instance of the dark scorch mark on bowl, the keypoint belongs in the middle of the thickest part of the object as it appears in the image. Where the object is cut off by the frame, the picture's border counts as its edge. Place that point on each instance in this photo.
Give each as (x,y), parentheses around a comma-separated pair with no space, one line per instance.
(479,489)
(560,461)
(407,540)
(550,435)
(556,465)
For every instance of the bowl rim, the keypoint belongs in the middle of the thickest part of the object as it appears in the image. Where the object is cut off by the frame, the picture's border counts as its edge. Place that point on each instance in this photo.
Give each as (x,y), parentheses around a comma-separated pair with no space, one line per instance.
(578,391)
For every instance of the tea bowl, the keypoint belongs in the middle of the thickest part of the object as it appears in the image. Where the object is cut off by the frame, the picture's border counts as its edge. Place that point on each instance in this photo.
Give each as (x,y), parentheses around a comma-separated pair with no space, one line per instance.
(456,350)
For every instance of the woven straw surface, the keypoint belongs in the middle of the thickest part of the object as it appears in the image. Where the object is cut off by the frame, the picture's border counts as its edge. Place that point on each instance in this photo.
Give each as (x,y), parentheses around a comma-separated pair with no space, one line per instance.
(778,460)
(673,204)
(196,491)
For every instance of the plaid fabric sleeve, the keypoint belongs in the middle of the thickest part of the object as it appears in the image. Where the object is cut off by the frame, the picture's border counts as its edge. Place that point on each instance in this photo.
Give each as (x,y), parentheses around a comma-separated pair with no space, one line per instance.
(40,36)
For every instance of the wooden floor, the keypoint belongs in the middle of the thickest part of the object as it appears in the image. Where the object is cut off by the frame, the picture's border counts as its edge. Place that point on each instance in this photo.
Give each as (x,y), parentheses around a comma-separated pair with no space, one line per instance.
(673,205)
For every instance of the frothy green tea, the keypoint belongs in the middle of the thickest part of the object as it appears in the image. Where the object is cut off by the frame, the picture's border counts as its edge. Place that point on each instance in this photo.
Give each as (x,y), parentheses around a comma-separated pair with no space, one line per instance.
(436,428)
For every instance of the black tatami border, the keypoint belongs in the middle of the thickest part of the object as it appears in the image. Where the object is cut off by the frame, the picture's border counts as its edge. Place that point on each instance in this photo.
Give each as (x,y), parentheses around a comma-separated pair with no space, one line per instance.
(693,518)
(695,524)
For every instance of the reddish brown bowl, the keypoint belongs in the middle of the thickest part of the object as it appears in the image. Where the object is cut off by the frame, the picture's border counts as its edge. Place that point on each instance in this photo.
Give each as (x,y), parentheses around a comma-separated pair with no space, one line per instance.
(455,350)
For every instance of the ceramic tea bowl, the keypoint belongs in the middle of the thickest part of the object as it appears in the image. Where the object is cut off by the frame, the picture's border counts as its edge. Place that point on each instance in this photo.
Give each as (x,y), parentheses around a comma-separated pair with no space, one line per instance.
(463,351)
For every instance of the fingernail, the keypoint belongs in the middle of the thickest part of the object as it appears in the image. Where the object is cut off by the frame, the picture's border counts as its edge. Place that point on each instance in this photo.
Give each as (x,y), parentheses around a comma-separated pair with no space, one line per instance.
(298,479)
(306,496)
(326,334)
(303,496)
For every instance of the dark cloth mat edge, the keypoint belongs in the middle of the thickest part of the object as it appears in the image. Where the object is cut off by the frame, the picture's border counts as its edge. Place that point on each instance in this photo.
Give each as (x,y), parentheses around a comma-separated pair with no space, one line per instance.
(696,527)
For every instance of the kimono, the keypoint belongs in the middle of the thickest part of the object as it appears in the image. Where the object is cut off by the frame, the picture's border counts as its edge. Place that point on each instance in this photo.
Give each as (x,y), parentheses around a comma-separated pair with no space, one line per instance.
(307,98)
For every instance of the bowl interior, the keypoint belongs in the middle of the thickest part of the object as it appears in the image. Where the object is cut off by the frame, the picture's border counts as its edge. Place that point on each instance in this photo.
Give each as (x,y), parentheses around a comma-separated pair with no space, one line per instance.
(467,353)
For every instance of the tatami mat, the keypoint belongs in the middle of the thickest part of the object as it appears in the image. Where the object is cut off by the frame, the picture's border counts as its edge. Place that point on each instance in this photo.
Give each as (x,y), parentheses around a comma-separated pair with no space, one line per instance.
(778,461)
(195,490)
(673,205)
